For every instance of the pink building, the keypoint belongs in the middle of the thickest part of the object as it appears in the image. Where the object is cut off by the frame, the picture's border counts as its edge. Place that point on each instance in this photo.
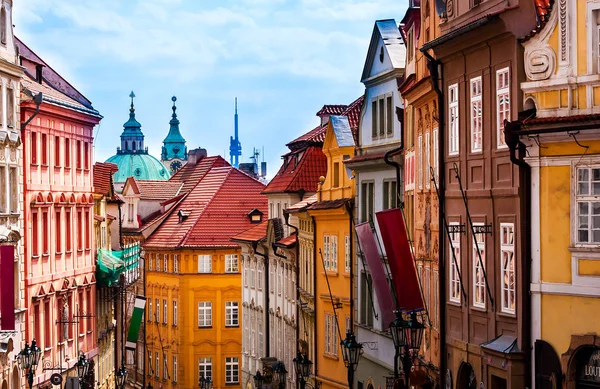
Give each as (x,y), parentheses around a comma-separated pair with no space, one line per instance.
(58,219)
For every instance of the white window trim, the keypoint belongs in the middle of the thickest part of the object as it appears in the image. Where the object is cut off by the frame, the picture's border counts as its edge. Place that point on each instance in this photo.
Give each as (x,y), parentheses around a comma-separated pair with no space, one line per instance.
(510,248)
(420,161)
(233,364)
(499,92)
(206,308)
(454,268)
(475,266)
(436,154)
(165,311)
(232,314)
(427,175)
(453,127)
(204,366)
(174,368)
(175,263)
(230,261)
(175,312)
(347,257)
(476,100)
(166,263)
(204,264)
(576,198)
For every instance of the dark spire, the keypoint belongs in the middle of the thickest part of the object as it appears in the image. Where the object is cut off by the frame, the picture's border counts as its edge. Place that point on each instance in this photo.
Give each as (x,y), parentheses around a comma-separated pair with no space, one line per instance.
(174,143)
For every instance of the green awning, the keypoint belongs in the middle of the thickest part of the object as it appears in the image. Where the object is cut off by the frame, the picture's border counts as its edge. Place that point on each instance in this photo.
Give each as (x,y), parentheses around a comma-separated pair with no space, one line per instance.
(109,267)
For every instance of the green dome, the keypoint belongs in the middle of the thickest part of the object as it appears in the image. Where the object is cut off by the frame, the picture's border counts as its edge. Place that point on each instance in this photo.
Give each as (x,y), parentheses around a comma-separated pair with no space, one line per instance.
(140,166)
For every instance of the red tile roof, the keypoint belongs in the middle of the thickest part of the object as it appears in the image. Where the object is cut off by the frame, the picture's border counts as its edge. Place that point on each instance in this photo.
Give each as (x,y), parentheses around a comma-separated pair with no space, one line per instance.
(328,204)
(353,113)
(287,242)
(254,234)
(190,175)
(300,171)
(103,172)
(158,190)
(562,119)
(217,210)
(542,10)
(366,157)
(302,205)
(332,110)
(316,135)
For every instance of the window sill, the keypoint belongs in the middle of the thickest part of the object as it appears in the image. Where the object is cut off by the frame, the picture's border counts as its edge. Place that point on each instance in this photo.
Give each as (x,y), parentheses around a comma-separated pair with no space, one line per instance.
(45,165)
(80,250)
(58,253)
(35,256)
(330,273)
(457,304)
(231,383)
(89,332)
(56,166)
(174,326)
(46,349)
(204,327)
(233,326)
(332,357)
(46,255)
(509,315)
(69,252)
(478,309)
(81,335)
(88,249)
(584,249)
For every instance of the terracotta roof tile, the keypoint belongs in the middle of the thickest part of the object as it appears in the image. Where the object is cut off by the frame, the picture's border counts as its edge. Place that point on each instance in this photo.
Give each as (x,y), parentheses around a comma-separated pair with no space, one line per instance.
(103,172)
(254,234)
(353,113)
(316,135)
(287,241)
(328,204)
(332,110)
(217,209)
(300,171)
(190,175)
(301,206)
(366,157)
(158,190)
(562,119)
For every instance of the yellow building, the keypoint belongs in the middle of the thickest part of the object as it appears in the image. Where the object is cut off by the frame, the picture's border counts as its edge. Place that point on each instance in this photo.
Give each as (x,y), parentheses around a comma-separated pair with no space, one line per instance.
(193,280)
(332,214)
(561,129)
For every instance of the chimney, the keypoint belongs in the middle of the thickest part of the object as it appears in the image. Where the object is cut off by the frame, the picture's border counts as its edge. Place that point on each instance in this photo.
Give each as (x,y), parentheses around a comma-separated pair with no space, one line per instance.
(194,156)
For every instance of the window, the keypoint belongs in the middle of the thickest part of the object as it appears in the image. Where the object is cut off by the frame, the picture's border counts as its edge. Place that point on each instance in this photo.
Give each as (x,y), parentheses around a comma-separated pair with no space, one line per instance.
(381,123)
(78,163)
(204,368)
(390,117)
(86,155)
(175,312)
(57,222)
(252,275)
(420,161)
(166,263)
(347,251)
(47,328)
(330,252)
(478,270)
(157,371)
(366,206)
(390,194)
(507,255)
(165,368)
(427,286)
(150,311)
(44,149)
(382,116)
(157,262)
(130,216)
(280,280)
(436,302)
(149,362)
(366,308)
(588,205)
(336,174)
(67,152)
(56,151)
(3,26)
(427,177)
(231,263)
(87,229)
(260,276)
(374,118)
(231,314)
(175,263)
(455,288)
(150,261)
(453,145)
(231,370)
(165,311)
(79,230)
(204,263)
(34,233)
(157,313)
(174,368)
(476,115)
(330,335)
(45,232)
(10,107)
(34,148)
(67,229)
(502,102)
(436,154)
(204,314)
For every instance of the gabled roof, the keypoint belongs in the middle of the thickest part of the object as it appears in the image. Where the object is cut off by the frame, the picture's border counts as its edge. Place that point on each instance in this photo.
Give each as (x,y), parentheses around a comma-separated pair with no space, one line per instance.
(257,233)
(217,210)
(158,190)
(190,174)
(332,110)
(301,206)
(314,136)
(386,30)
(300,171)
(103,172)
(342,131)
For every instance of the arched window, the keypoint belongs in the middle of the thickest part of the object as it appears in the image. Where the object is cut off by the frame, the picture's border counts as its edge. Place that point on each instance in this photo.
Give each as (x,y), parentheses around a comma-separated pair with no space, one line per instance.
(133,148)
(3,26)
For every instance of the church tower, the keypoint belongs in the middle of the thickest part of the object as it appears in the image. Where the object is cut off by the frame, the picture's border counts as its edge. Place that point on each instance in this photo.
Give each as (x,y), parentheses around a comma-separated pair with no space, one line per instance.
(174,150)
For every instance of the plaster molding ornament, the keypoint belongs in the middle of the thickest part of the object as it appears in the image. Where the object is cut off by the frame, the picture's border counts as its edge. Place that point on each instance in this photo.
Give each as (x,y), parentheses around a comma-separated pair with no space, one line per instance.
(562,7)
(449,7)
(540,58)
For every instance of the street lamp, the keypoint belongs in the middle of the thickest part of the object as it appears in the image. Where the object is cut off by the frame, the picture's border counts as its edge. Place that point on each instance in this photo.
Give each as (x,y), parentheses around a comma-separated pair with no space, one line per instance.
(407,336)
(303,368)
(280,374)
(352,350)
(121,377)
(204,382)
(83,366)
(29,358)
(149,386)
(258,380)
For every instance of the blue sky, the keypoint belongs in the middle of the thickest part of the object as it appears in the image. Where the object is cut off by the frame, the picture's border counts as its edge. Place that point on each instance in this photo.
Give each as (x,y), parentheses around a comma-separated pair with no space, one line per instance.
(283,59)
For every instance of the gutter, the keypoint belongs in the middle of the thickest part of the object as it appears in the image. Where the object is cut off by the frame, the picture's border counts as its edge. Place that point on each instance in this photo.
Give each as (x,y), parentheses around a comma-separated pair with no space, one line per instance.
(436,76)
(267,299)
(316,360)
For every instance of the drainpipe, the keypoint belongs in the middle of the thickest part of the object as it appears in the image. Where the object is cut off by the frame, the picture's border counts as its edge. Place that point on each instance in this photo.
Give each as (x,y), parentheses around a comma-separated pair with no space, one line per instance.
(267,299)
(315,343)
(517,153)
(437,77)
(349,209)
(286,217)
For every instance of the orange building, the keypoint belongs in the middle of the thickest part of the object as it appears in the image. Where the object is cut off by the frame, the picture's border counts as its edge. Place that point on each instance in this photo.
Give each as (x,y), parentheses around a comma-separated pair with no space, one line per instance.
(193,279)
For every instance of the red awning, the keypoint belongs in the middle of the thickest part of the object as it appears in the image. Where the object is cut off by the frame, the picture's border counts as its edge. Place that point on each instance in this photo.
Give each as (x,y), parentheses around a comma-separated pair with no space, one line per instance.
(7,288)
(368,246)
(402,264)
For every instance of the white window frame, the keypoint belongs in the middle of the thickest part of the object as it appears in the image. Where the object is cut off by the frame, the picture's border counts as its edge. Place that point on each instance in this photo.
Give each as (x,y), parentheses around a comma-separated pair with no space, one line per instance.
(232,314)
(330,249)
(436,302)
(476,114)
(204,307)
(453,125)
(436,154)
(157,371)
(166,263)
(165,367)
(347,256)
(157,312)
(175,312)
(232,369)
(204,264)
(478,270)
(584,194)
(427,175)
(175,263)
(204,368)
(232,263)
(330,335)
(252,275)
(420,161)
(507,263)
(174,368)
(260,275)
(165,311)
(150,261)
(502,91)
(150,311)
(454,284)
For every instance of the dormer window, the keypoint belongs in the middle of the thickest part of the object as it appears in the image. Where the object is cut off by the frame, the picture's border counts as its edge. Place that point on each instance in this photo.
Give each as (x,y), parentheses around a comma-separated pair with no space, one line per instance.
(182,215)
(255,216)
(3,26)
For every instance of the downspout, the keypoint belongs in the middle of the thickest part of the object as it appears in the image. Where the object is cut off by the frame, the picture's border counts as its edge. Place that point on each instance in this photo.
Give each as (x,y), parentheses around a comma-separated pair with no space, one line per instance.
(286,217)
(267,299)
(436,73)
(315,343)
(517,153)
(349,209)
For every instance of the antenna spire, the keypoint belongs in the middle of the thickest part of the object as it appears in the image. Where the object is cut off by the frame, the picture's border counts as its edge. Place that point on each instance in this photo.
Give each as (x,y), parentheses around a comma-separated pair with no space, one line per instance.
(235,147)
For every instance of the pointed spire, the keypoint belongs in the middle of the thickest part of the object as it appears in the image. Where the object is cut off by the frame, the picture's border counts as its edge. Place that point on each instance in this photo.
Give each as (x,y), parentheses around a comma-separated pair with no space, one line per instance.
(132,95)
(174,143)
(174,120)
(132,125)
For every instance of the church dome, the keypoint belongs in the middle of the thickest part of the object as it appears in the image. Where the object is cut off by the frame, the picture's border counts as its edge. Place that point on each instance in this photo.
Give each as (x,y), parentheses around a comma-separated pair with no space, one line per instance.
(139,166)
(132,157)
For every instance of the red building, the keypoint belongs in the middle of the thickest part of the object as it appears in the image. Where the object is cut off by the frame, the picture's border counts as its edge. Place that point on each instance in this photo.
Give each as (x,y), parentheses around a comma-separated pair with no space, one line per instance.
(58,218)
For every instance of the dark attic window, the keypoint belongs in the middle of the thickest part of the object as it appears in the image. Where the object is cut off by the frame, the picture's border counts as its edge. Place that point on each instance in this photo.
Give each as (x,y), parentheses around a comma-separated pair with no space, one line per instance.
(255,216)
(183,215)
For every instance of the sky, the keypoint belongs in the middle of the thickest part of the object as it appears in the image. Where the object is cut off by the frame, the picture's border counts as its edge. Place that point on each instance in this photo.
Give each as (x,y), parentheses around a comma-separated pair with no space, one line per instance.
(282,59)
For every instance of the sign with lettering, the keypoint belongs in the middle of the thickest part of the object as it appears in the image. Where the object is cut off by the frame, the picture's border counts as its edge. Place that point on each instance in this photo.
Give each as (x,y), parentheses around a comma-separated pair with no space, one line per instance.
(589,366)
